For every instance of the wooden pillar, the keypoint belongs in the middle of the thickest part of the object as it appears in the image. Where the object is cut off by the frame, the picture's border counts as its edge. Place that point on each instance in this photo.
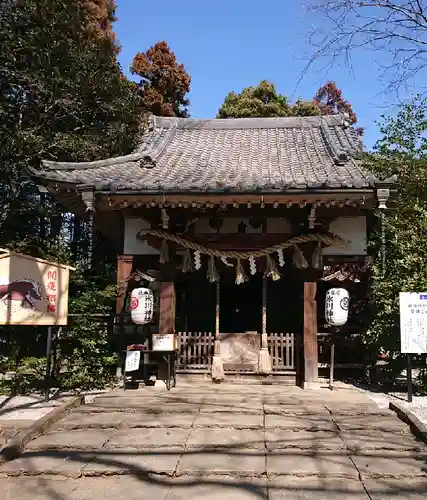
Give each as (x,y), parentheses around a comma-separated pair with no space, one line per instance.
(167,308)
(310,334)
(124,270)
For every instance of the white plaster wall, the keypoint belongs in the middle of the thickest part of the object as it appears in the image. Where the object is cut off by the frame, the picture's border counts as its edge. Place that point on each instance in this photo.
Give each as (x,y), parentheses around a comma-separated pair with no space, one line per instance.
(132,245)
(352,229)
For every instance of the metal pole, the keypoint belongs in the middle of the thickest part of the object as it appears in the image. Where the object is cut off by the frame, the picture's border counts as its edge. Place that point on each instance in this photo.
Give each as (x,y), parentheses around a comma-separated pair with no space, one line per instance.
(383,253)
(409,377)
(48,362)
(332,361)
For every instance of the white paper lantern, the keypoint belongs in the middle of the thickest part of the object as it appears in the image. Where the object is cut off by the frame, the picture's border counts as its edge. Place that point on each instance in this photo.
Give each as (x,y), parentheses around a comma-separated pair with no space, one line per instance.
(336,306)
(141,305)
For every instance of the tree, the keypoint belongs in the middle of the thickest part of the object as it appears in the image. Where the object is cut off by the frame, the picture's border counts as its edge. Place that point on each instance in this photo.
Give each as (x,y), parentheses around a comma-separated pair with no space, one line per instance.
(395,30)
(264,101)
(164,83)
(331,102)
(63,96)
(401,152)
(260,101)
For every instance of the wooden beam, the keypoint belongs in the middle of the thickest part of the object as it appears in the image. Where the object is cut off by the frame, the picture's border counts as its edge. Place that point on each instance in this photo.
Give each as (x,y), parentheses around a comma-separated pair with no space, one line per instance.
(124,270)
(310,334)
(167,308)
(118,201)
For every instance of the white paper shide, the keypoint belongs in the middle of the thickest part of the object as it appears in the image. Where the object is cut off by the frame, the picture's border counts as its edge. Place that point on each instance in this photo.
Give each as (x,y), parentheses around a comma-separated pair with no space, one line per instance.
(337,303)
(141,306)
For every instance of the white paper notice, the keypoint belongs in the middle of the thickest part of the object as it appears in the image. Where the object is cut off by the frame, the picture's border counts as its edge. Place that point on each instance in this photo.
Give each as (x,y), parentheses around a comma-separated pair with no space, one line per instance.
(132,361)
(413,322)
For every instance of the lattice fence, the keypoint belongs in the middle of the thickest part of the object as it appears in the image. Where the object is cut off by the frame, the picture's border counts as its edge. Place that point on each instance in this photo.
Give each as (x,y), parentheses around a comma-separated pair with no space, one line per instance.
(195,351)
(282,348)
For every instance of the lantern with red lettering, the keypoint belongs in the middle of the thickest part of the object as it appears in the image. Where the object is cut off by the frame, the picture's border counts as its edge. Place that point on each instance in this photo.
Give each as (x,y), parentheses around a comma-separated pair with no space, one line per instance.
(336,306)
(141,306)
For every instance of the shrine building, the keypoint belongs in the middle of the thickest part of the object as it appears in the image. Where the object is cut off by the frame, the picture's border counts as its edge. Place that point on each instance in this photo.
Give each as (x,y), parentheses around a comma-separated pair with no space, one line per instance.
(243,223)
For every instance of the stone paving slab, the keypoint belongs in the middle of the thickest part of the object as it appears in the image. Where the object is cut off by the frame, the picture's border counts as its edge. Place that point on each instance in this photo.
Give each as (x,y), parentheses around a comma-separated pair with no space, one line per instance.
(216,488)
(66,464)
(256,408)
(322,464)
(389,489)
(148,438)
(276,409)
(150,406)
(226,438)
(308,422)
(134,462)
(241,463)
(236,420)
(305,440)
(86,439)
(120,487)
(135,420)
(380,440)
(391,465)
(291,488)
(79,420)
(36,488)
(362,408)
(371,422)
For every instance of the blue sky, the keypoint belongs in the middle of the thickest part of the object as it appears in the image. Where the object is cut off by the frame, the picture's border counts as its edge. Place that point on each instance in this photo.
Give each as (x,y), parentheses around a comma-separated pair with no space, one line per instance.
(229,45)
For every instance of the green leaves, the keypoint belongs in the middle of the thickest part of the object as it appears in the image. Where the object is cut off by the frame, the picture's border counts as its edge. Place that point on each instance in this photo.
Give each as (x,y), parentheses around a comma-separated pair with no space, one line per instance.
(401,152)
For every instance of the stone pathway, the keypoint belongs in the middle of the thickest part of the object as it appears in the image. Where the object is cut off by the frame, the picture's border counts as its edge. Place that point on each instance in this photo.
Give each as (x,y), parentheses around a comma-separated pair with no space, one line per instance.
(236,442)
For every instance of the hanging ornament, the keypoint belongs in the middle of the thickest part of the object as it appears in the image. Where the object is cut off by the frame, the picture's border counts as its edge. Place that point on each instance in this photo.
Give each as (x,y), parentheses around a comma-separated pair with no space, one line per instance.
(141,306)
(240,273)
(252,265)
(336,306)
(187,266)
(165,219)
(299,259)
(281,257)
(164,252)
(225,261)
(197,260)
(316,261)
(212,273)
(271,270)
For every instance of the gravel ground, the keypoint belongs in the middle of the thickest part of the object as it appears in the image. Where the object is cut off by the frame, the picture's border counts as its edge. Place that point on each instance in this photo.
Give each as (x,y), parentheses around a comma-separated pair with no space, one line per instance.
(418,406)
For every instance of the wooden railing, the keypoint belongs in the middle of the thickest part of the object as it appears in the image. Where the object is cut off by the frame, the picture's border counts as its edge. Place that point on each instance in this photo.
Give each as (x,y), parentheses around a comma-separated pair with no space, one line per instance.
(195,351)
(282,348)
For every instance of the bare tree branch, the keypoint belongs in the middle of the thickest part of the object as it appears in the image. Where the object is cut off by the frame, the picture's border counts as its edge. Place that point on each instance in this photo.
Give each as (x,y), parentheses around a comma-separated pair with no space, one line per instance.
(395,30)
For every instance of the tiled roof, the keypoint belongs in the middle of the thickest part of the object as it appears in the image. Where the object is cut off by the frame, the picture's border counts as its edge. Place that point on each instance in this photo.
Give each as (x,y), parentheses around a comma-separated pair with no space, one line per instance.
(245,154)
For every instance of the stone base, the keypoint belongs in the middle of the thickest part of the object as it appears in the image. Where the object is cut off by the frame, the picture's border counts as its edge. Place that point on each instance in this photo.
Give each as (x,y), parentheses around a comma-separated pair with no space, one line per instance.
(312,385)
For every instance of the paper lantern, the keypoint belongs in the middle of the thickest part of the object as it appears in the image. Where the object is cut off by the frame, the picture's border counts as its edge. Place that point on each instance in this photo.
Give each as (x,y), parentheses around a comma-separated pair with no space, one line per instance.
(141,306)
(336,306)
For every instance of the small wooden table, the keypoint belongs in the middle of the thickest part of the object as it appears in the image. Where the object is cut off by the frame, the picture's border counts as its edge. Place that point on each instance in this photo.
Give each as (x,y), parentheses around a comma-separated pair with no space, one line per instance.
(169,357)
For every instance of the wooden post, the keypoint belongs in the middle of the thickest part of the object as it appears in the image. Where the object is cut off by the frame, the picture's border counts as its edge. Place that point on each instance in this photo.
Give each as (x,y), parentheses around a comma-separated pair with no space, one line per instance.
(124,270)
(167,308)
(310,334)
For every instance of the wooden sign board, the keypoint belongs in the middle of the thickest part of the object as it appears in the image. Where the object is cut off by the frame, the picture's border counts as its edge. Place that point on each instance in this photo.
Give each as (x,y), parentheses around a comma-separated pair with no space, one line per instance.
(32,291)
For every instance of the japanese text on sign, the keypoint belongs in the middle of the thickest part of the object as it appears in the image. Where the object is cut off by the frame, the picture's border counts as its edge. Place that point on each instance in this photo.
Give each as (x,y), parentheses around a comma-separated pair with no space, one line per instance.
(413,322)
(52,277)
